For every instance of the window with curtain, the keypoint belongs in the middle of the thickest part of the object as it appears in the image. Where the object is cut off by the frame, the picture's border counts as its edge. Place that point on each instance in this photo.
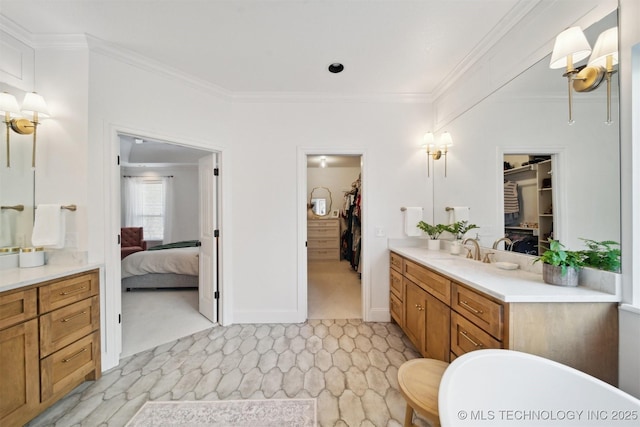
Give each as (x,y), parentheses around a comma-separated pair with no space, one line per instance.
(148,204)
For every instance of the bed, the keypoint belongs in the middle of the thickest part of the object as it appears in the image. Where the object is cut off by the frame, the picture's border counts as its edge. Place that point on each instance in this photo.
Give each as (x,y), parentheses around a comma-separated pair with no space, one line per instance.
(169,266)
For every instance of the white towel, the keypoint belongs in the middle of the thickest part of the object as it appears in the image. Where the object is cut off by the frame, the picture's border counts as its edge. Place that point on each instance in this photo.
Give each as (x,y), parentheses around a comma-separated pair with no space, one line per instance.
(459,213)
(5,228)
(412,216)
(49,227)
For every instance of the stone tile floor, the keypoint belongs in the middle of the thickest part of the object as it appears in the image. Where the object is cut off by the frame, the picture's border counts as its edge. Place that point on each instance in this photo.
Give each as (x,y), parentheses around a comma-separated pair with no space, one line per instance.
(350,366)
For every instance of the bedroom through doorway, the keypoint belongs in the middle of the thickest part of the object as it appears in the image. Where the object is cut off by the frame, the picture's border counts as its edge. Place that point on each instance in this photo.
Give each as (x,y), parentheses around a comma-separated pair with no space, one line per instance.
(334,238)
(168,196)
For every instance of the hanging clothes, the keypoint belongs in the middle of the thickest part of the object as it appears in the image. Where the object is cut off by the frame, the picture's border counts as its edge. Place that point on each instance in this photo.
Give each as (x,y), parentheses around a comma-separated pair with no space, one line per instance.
(351,237)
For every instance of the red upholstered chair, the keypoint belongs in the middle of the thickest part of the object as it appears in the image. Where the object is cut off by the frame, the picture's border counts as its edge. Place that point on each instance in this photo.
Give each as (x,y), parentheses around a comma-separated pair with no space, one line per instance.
(132,240)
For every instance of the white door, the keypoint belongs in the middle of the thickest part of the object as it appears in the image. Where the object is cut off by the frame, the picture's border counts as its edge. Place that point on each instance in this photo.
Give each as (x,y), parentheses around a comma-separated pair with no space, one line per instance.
(208,285)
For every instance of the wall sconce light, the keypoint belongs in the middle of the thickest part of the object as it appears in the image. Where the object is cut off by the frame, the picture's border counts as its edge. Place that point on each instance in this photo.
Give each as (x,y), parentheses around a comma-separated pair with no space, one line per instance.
(572,46)
(323,162)
(33,105)
(436,152)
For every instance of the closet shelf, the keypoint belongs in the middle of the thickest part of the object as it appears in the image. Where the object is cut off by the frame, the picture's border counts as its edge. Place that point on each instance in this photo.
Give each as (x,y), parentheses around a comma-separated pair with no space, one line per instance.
(521,228)
(520,169)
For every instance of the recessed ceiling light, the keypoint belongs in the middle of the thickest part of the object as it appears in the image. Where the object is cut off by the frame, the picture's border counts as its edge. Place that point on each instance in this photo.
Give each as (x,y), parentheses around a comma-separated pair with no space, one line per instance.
(138,140)
(336,67)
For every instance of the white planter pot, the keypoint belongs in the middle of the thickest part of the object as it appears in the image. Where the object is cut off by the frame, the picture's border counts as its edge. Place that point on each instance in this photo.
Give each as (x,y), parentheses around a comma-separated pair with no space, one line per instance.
(456,247)
(433,245)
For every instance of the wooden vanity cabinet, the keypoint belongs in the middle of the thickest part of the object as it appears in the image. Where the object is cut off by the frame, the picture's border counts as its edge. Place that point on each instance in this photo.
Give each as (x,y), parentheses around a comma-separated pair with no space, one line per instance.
(426,320)
(49,343)
(445,319)
(396,289)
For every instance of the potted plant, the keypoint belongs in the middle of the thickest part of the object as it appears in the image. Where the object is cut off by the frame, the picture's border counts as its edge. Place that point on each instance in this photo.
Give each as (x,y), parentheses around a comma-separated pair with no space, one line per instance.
(459,228)
(434,232)
(560,266)
(603,255)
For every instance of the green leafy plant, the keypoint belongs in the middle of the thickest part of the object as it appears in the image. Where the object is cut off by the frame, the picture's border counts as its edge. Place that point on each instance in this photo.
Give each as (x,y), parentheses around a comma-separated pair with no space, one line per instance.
(558,256)
(459,228)
(603,255)
(433,231)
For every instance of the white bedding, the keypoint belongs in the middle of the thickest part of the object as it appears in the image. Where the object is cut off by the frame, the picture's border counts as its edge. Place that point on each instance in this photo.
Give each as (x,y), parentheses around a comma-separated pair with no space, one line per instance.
(175,260)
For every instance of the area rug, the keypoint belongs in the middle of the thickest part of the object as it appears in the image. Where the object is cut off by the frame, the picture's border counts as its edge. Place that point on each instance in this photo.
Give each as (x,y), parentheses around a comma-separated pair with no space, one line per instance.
(236,413)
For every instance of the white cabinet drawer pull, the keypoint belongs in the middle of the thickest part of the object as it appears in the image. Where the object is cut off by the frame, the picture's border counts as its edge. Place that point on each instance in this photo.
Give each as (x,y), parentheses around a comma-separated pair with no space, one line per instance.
(68,359)
(66,319)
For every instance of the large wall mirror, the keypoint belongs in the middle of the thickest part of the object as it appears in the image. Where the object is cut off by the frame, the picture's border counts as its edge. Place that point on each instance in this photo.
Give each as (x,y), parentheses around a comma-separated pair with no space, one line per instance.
(17,181)
(529,115)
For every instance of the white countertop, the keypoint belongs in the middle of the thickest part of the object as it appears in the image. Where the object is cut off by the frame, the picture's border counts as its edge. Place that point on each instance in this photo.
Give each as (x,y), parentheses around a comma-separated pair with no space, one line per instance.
(505,285)
(14,278)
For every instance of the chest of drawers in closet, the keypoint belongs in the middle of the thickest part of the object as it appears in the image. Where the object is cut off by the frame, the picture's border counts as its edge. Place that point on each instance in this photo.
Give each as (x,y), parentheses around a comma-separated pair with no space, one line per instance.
(323,239)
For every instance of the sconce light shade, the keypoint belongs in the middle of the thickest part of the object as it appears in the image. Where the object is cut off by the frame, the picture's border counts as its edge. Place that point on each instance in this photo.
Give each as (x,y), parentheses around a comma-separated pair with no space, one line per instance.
(571,46)
(34,103)
(607,44)
(8,104)
(427,139)
(446,140)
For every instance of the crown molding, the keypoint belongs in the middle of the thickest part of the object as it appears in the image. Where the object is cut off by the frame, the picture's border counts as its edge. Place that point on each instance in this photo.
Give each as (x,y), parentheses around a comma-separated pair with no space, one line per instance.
(479,54)
(137,60)
(42,41)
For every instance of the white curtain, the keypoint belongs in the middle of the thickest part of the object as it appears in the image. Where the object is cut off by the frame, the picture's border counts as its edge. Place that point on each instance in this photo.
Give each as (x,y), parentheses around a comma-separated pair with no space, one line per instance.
(167,183)
(133,201)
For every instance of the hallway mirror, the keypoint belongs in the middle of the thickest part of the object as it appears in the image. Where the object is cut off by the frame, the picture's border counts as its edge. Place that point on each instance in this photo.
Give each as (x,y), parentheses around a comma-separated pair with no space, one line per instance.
(321,201)
(528,115)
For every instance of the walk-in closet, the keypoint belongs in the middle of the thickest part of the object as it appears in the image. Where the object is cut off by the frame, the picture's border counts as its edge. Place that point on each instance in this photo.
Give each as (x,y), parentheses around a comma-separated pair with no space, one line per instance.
(334,238)
(528,202)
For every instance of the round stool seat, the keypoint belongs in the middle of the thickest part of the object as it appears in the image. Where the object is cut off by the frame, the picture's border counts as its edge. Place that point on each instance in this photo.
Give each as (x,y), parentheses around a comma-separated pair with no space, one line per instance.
(419,381)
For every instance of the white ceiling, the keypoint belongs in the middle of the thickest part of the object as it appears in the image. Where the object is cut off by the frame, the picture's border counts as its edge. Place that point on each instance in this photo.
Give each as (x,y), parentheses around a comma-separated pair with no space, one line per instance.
(386,46)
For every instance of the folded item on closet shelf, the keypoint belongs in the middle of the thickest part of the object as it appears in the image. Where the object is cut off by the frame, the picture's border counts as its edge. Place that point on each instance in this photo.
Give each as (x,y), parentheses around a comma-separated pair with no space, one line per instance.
(412,216)
(49,226)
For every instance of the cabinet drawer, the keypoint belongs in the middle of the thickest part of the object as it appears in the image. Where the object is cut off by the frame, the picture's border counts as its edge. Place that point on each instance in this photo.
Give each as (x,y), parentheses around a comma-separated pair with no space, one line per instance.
(396,309)
(479,309)
(68,324)
(435,284)
(466,337)
(16,307)
(323,233)
(395,284)
(66,368)
(58,293)
(397,262)
(323,223)
(323,243)
(333,254)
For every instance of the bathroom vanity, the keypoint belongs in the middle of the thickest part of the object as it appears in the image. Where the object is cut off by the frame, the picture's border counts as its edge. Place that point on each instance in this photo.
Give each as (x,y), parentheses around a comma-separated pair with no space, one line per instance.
(448,305)
(49,337)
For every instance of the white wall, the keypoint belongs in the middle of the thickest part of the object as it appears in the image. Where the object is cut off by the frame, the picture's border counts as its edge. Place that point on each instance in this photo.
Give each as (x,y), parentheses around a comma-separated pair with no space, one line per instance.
(185,197)
(265,203)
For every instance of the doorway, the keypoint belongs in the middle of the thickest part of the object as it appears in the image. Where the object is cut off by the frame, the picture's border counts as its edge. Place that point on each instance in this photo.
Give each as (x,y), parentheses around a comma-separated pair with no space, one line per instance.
(334,236)
(168,303)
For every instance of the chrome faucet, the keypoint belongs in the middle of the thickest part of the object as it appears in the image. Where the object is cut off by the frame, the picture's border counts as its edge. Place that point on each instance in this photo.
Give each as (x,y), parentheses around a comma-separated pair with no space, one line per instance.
(508,243)
(476,254)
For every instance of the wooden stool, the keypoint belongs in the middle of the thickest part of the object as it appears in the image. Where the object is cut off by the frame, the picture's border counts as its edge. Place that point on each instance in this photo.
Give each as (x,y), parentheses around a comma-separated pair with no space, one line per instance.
(419,381)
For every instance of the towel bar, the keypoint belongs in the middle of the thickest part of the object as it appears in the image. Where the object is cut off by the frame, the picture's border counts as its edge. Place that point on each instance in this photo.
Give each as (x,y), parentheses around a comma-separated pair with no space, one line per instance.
(18,208)
(67,207)
(449,209)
